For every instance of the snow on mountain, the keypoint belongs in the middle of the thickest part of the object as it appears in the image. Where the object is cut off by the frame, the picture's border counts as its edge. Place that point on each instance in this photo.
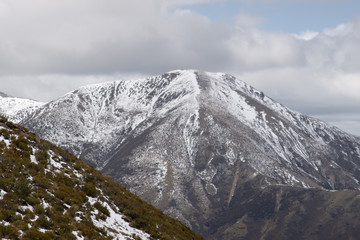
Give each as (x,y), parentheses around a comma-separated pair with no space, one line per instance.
(16,109)
(187,141)
(96,119)
(97,114)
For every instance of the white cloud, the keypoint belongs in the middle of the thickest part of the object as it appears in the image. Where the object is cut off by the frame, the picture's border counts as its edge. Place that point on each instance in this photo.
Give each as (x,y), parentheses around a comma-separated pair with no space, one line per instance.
(336,48)
(254,49)
(347,85)
(307,35)
(328,75)
(340,30)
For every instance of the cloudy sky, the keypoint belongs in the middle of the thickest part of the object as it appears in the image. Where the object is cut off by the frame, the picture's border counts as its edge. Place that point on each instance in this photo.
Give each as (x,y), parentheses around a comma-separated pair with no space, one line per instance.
(302,53)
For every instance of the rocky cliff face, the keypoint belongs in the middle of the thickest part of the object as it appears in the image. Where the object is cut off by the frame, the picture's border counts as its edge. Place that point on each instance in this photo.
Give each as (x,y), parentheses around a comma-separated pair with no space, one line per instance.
(190,141)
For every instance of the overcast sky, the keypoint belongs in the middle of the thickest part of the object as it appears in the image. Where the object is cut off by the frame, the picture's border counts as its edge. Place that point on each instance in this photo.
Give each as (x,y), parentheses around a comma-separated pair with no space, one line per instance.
(303,53)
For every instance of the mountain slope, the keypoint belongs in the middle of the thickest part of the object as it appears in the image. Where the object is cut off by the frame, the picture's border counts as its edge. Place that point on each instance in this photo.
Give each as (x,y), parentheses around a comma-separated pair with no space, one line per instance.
(282,212)
(16,109)
(47,193)
(190,141)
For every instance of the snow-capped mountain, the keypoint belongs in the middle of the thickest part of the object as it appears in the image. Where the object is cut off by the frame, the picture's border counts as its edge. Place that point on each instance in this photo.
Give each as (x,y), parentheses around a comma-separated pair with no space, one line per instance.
(189,142)
(16,109)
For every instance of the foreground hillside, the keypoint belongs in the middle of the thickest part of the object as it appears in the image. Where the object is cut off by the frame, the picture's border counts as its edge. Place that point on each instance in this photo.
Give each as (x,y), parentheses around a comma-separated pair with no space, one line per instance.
(47,193)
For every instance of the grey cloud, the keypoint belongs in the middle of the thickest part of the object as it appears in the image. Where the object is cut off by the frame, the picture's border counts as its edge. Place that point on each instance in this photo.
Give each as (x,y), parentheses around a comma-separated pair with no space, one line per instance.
(44,41)
(88,37)
(336,48)
(254,49)
(91,37)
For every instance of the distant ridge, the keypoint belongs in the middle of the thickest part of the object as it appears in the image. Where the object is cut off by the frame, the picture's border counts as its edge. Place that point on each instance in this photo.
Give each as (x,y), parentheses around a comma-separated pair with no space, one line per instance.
(16,109)
(3,94)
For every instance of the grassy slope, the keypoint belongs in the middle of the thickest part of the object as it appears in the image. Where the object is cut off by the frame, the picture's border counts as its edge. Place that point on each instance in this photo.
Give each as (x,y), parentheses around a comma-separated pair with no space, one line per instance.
(42,202)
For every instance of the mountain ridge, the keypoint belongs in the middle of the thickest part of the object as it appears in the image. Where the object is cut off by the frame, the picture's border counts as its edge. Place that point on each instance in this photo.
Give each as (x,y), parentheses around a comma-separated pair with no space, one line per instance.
(16,109)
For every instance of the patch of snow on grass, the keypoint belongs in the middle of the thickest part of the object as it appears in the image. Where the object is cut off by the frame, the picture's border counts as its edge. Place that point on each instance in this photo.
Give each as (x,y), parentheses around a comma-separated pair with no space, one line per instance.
(2,194)
(32,156)
(45,204)
(78,236)
(7,142)
(33,159)
(56,165)
(24,208)
(115,225)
